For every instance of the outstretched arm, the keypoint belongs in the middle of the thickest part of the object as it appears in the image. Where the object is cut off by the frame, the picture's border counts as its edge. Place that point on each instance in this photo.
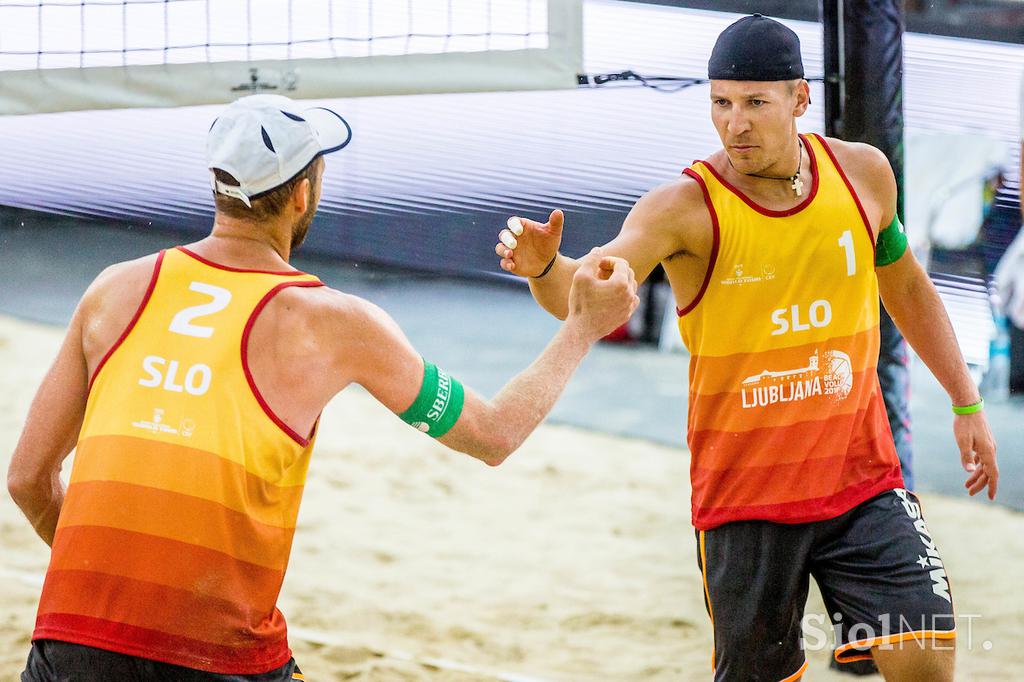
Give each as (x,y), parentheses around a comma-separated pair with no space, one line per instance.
(530,249)
(655,229)
(602,296)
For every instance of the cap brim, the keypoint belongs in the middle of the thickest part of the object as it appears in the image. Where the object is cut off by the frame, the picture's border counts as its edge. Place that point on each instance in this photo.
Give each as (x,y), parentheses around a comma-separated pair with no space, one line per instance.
(332,131)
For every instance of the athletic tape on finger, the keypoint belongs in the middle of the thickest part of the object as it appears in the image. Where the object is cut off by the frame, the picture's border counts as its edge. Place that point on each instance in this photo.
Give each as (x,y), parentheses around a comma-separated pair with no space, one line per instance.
(508,240)
(515,225)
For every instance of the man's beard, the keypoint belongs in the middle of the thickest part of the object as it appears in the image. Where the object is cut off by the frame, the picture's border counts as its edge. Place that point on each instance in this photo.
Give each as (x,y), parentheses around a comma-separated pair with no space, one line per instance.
(301,226)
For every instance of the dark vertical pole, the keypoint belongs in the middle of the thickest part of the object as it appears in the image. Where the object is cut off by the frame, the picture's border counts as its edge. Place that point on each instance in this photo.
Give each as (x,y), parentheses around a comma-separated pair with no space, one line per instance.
(872,109)
(863,42)
(832,32)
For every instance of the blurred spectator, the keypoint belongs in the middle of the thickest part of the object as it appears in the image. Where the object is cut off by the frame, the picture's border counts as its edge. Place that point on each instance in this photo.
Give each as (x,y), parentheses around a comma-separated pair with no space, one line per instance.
(1010,280)
(1009,276)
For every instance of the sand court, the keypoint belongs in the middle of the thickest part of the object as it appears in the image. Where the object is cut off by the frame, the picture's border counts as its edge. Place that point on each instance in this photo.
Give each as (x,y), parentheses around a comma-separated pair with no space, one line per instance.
(573,561)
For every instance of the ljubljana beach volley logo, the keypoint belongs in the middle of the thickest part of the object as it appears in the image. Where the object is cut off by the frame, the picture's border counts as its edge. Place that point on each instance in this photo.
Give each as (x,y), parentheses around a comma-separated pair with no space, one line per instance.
(157,424)
(828,373)
(742,275)
(838,377)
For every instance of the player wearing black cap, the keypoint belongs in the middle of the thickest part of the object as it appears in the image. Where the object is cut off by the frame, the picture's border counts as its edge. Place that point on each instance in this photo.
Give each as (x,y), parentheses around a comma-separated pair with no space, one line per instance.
(756,48)
(777,247)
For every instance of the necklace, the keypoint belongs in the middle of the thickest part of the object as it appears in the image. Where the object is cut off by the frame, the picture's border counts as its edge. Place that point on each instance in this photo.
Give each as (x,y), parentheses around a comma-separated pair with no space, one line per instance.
(795,182)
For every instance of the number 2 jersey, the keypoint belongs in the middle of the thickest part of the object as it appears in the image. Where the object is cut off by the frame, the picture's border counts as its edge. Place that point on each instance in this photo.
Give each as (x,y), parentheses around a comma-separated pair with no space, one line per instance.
(176,529)
(786,418)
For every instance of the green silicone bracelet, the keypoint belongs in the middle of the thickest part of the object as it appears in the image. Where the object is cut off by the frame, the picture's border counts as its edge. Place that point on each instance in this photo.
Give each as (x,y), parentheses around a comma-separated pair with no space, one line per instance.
(969,409)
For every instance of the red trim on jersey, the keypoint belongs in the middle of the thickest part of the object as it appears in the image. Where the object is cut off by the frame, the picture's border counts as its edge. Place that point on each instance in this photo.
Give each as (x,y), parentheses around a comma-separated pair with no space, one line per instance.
(849,186)
(245,359)
(767,211)
(204,261)
(714,242)
(134,320)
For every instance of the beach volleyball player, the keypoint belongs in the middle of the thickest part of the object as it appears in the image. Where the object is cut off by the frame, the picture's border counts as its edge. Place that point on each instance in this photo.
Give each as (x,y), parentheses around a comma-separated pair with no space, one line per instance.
(191,382)
(777,247)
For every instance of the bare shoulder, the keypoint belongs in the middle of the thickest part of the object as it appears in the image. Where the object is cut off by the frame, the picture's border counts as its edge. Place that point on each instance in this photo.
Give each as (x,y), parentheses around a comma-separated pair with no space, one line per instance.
(123,285)
(670,220)
(109,304)
(675,211)
(858,156)
(866,165)
(127,272)
(871,175)
(678,197)
(330,317)
(328,334)
(322,306)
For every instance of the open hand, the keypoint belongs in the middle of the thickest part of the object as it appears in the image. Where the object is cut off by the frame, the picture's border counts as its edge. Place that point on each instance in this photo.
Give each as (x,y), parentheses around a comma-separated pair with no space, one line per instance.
(977,452)
(526,246)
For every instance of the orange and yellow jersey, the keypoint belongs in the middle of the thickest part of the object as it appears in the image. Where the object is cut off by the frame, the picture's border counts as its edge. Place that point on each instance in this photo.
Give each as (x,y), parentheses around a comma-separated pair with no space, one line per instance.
(786,419)
(176,529)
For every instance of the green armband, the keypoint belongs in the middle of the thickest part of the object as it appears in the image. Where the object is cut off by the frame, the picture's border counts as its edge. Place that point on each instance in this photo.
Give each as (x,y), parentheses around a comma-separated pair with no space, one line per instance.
(439,404)
(892,243)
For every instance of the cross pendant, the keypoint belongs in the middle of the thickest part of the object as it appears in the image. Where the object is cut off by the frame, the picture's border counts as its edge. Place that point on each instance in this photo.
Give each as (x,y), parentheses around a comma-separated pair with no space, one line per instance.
(798,186)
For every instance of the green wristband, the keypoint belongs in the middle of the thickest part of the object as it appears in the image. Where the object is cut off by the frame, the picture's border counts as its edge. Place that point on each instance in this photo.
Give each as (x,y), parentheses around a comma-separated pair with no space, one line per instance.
(969,409)
(438,405)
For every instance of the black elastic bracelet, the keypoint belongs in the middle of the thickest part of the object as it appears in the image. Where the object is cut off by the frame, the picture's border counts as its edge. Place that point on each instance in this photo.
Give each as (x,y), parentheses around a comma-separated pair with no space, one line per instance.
(548,268)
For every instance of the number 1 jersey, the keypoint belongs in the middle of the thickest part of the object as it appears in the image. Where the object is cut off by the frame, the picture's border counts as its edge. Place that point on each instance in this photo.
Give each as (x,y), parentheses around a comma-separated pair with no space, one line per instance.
(786,418)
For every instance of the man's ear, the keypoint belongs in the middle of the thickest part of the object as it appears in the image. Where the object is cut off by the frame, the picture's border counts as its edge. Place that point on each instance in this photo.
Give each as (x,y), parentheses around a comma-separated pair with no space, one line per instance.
(803,97)
(301,196)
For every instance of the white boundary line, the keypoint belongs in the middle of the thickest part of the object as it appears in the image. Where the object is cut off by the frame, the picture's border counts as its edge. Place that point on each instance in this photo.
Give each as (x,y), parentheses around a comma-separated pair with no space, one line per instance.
(33,579)
(323,638)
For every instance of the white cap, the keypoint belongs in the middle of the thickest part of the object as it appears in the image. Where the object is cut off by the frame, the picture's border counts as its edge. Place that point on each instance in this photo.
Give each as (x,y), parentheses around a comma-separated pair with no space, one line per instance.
(264,141)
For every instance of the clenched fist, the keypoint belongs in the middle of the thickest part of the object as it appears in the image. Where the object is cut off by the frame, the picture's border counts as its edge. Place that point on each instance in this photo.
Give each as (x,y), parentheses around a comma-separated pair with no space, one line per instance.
(603,295)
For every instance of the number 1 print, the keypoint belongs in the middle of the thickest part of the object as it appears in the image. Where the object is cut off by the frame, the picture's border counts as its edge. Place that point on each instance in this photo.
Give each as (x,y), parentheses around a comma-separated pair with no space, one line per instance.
(846,241)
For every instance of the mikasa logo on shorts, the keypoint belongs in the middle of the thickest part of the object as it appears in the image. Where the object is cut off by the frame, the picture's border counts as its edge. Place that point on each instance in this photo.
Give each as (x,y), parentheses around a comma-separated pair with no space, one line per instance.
(930,560)
(833,378)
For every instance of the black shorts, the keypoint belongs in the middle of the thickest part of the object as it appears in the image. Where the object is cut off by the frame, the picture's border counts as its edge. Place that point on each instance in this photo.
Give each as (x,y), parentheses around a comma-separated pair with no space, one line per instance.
(54,661)
(880,575)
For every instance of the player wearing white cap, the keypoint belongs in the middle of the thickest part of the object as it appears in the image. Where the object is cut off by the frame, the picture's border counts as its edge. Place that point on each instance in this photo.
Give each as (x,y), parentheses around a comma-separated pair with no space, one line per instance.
(190,384)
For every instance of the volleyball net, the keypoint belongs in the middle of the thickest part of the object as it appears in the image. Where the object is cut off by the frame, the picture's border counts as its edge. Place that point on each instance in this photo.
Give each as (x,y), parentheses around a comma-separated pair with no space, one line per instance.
(63,55)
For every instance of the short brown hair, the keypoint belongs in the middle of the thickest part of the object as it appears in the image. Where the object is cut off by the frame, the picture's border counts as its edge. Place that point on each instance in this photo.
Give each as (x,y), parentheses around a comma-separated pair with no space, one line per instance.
(268,205)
